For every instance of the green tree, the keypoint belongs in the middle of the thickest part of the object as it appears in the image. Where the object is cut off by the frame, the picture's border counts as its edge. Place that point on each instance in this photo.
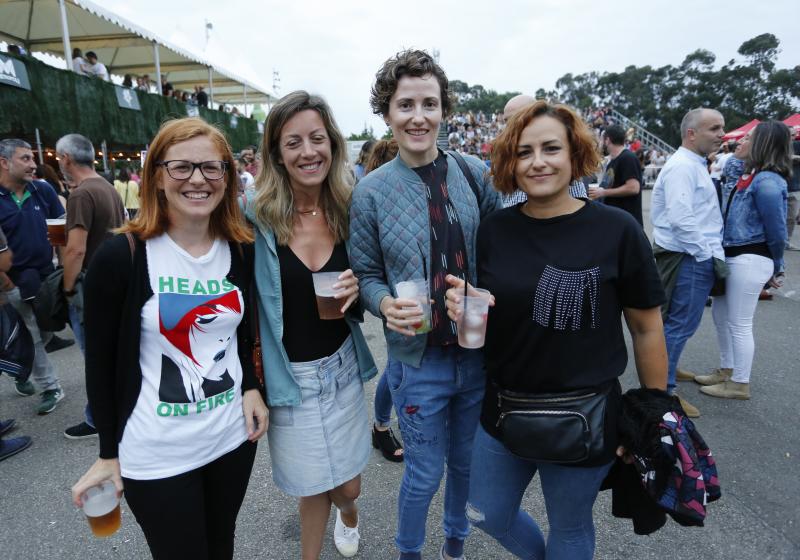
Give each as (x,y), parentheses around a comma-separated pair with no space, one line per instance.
(476,98)
(367,134)
(657,98)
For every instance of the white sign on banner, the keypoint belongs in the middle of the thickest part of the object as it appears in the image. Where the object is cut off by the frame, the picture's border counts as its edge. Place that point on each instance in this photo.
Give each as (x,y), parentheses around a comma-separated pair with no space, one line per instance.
(13,73)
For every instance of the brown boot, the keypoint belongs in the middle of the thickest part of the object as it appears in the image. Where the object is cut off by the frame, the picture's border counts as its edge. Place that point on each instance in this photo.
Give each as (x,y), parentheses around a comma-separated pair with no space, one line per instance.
(728,390)
(684,375)
(717,376)
(690,410)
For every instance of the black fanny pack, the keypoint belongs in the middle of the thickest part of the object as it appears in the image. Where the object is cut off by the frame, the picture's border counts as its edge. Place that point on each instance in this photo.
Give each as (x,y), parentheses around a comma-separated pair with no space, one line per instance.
(577,427)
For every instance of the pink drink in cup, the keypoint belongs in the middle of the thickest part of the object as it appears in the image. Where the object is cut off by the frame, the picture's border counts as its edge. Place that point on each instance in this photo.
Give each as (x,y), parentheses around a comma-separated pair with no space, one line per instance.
(328,306)
(418,291)
(474,316)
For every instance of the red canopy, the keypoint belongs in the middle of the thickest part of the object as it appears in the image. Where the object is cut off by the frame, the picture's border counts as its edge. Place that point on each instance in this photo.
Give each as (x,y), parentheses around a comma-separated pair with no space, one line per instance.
(741,131)
(794,120)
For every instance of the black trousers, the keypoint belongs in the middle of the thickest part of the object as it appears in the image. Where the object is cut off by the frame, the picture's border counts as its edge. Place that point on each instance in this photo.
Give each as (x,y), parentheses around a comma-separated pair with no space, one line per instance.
(193,515)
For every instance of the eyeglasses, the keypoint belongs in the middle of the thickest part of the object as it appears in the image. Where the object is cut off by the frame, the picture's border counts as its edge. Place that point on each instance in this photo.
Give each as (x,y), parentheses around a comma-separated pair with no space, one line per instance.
(181,170)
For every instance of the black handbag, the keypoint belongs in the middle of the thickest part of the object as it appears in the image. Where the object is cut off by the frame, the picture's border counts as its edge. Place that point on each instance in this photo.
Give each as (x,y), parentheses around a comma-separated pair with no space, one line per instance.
(573,428)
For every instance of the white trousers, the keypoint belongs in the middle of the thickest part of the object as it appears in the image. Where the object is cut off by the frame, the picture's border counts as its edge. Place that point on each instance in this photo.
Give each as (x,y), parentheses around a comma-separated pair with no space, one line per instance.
(733,312)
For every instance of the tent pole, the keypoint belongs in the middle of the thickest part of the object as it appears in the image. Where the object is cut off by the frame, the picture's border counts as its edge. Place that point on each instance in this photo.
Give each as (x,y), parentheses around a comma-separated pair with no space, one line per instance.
(157,59)
(104,147)
(39,147)
(210,89)
(245,100)
(65,35)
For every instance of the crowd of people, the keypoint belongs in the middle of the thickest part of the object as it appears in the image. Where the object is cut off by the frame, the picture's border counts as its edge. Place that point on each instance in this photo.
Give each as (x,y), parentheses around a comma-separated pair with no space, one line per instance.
(196,309)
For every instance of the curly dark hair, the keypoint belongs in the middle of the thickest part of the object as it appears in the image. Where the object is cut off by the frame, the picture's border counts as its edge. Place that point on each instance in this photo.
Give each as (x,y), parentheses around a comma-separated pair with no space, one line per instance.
(413,63)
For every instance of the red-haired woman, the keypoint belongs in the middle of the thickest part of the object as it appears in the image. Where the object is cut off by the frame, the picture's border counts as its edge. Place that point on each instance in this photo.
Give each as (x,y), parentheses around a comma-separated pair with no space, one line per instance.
(168,372)
(555,328)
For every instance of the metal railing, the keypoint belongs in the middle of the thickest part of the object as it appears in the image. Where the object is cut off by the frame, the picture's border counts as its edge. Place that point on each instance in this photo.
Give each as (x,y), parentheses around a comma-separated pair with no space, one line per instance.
(647,137)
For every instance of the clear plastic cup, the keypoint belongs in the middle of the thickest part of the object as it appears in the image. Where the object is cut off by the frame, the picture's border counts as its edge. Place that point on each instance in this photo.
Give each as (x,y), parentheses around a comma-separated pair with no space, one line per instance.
(474,316)
(101,507)
(418,291)
(328,306)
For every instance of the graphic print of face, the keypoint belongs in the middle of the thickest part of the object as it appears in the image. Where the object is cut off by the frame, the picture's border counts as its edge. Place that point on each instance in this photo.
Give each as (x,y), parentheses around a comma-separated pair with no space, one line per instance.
(200,329)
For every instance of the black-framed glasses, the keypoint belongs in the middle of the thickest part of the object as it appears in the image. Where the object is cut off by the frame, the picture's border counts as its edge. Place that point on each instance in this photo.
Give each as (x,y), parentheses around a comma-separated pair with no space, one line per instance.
(181,170)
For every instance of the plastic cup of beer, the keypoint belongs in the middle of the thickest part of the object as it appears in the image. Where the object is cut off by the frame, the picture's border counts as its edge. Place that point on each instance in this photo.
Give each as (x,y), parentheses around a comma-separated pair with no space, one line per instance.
(101,507)
(57,231)
(328,306)
(474,316)
(418,291)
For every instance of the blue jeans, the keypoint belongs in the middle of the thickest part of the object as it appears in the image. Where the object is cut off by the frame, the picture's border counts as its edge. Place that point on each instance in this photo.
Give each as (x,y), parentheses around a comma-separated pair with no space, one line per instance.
(438,406)
(694,283)
(383,402)
(76,322)
(495,495)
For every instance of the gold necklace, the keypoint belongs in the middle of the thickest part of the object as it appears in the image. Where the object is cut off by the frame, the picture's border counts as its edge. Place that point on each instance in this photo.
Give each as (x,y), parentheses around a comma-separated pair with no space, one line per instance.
(306,212)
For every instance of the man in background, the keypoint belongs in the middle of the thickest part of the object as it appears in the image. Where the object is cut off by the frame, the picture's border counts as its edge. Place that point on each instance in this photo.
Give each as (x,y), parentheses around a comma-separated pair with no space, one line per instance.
(622,181)
(687,232)
(94,210)
(25,206)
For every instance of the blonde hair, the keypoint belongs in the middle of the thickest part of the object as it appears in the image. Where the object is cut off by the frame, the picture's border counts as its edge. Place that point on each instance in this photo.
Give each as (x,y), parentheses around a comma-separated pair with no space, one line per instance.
(274,200)
(152,219)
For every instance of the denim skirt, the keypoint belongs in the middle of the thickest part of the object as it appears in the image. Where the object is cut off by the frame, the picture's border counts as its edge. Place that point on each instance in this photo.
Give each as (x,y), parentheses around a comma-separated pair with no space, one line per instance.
(323,442)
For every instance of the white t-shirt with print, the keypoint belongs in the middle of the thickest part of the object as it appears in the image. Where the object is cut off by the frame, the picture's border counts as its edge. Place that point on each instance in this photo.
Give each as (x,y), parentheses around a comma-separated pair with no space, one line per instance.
(189,410)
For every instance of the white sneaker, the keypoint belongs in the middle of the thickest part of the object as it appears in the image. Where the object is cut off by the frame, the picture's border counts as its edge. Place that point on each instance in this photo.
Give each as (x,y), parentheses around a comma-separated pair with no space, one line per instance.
(345,538)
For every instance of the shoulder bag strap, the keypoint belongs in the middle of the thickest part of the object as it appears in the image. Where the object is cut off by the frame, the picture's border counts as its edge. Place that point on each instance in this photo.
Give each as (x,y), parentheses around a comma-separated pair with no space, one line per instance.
(473,184)
(255,335)
(131,244)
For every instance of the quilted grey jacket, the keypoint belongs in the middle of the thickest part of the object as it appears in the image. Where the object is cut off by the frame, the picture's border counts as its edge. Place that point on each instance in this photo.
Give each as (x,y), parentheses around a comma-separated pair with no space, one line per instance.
(390,234)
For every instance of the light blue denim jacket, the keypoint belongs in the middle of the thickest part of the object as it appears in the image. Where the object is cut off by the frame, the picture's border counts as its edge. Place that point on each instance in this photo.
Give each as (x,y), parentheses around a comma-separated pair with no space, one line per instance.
(282,388)
(757,214)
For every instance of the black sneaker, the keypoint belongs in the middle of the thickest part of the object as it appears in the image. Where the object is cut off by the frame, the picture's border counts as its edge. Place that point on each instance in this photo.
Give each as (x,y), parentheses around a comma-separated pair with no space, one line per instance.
(9,447)
(7,425)
(57,343)
(80,431)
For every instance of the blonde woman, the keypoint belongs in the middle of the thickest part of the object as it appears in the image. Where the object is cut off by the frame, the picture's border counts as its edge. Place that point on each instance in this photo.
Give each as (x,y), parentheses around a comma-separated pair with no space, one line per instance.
(128,190)
(314,368)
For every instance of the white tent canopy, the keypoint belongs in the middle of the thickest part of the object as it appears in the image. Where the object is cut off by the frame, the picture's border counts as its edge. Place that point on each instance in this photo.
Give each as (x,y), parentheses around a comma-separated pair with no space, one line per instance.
(125,48)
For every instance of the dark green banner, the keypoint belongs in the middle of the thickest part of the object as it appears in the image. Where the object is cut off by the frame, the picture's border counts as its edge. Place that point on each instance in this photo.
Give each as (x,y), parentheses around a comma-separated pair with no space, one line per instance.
(60,102)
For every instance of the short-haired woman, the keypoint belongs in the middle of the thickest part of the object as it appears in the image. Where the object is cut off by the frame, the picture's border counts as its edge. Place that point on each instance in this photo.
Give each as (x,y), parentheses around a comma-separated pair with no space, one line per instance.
(314,368)
(169,375)
(754,240)
(555,328)
(415,218)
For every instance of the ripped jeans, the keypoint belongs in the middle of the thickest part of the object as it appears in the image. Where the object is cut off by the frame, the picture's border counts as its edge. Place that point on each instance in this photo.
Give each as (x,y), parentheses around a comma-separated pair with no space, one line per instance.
(438,406)
(495,496)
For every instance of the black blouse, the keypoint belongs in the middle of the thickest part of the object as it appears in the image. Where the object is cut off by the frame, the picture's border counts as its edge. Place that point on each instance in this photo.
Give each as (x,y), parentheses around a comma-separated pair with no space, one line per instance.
(306,337)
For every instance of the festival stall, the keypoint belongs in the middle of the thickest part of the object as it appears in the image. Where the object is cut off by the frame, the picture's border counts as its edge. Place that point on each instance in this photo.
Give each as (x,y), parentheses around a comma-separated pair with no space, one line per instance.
(741,131)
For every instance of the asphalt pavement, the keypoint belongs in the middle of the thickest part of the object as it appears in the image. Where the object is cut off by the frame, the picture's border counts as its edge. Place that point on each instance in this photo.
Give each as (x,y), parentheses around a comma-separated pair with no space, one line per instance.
(756,444)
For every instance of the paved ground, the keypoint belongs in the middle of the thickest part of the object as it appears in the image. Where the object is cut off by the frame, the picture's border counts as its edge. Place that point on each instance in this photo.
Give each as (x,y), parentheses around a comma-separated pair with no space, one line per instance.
(756,443)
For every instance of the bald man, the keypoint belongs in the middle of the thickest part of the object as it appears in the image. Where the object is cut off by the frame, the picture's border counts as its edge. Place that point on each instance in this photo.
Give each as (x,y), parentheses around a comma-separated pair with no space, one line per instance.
(514,105)
(687,233)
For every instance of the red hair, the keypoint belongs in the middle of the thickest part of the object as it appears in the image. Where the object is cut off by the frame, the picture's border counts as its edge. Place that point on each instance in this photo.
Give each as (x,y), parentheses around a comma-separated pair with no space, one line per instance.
(584,155)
